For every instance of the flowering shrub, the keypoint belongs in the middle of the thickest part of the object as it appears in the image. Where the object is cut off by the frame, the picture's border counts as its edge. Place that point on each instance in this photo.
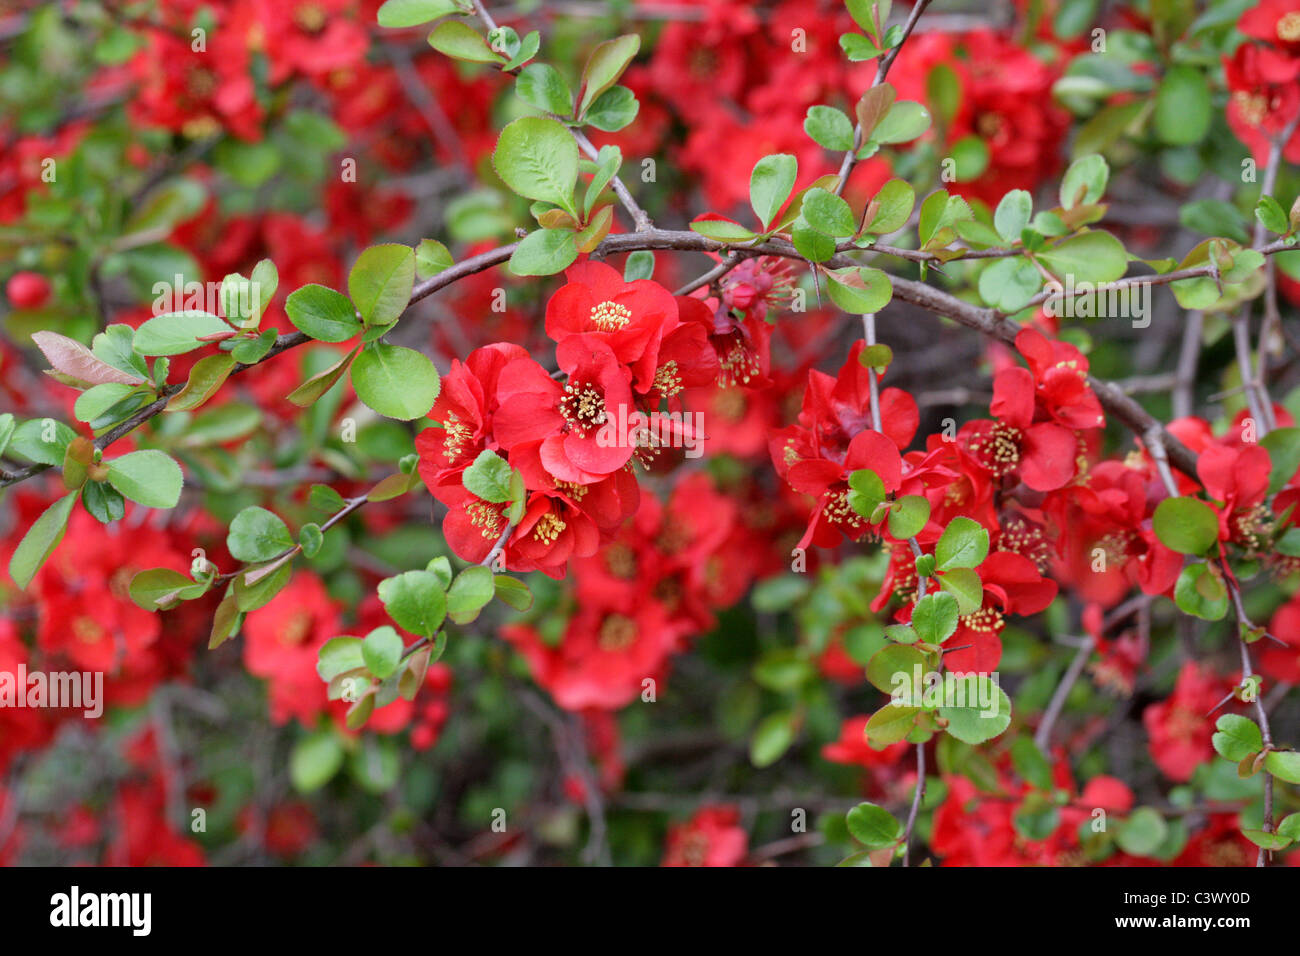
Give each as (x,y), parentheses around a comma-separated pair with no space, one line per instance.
(697,433)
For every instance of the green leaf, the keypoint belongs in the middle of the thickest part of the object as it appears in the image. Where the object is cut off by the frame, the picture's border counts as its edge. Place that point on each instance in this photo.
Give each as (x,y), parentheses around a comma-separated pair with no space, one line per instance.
(150,477)
(462,42)
(904,122)
(40,541)
(488,477)
(965,585)
(161,587)
(382,651)
(310,539)
(1009,284)
(512,592)
(963,544)
(94,402)
(907,516)
(315,760)
(605,65)
(396,382)
(208,374)
(1142,833)
(103,502)
(970,158)
(1283,446)
(381,282)
(28,440)
(939,213)
(1013,214)
(866,492)
(1030,763)
(1237,737)
(613,109)
(1284,764)
(431,258)
(469,594)
(338,656)
(324,314)
(544,252)
(1084,182)
(1090,257)
(890,724)
(538,159)
(772,738)
(1186,525)
(398,14)
(1183,107)
(891,661)
(723,230)
(974,724)
(859,291)
(639,265)
(1201,593)
(828,213)
(770,185)
(541,86)
(416,601)
(257,535)
(1271,215)
(874,827)
(829,128)
(310,391)
(894,202)
(935,617)
(174,333)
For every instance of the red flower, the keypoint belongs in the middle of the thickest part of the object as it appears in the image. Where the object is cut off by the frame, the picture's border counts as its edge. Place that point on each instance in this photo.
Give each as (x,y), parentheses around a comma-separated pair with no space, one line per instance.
(713,837)
(604,656)
(1274,21)
(282,641)
(1043,454)
(1264,98)
(631,318)
(567,419)
(1179,728)
(1237,477)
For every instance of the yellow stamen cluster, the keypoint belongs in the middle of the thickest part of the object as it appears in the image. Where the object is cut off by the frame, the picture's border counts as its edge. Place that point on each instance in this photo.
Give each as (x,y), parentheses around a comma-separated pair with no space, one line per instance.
(998,449)
(668,381)
(574,490)
(458,435)
(610,316)
(1249,527)
(1288,27)
(738,366)
(987,620)
(548,528)
(1027,541)
(837,511)
(486,518)
(582,407)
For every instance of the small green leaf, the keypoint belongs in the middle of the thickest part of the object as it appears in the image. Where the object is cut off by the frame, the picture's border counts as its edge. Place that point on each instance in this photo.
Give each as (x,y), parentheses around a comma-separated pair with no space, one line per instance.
(1237,737)
(907,516)
(174,333)
(382,651)
(605,65)
(469,594)
(416,601)
(1284,764)
(40,541)
(935,617)
(315,760)
(874,827)
(150,477)
(859,291)
(381,282)
(829,128)
(770,185)
(544,252)
(1186,525)
(538,159)
(322,313)
(963,544)
(257,535)
(396,382)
